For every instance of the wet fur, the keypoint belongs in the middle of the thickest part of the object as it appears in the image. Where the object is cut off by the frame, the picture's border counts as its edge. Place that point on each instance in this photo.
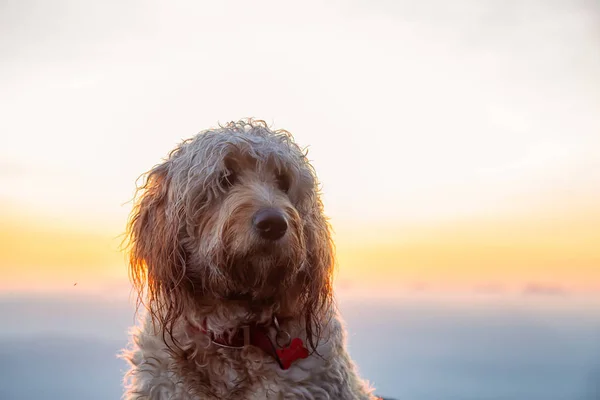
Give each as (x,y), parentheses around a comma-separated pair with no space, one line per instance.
(194,258)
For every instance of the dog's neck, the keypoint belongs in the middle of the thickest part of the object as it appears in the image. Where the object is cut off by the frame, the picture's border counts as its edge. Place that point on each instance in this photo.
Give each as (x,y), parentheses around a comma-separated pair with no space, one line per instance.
(236,325)
(231,316)
(224,316)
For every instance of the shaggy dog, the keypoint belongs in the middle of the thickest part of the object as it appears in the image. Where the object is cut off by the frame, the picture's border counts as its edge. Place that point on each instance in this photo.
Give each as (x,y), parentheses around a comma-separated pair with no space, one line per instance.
(232,259)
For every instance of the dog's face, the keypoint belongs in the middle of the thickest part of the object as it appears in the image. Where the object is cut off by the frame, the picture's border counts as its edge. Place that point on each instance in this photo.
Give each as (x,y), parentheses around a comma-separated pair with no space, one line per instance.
(233,213)
(245,222)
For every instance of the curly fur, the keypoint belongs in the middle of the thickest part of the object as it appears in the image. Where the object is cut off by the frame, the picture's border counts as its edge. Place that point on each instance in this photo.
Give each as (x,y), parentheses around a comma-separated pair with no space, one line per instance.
(195,259)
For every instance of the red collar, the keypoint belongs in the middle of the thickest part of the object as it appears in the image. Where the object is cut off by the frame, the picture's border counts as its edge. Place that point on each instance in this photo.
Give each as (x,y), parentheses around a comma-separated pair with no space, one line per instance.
(283,349)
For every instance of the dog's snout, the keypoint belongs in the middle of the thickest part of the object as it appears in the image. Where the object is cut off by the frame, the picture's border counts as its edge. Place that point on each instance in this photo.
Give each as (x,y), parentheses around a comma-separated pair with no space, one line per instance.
(270,223)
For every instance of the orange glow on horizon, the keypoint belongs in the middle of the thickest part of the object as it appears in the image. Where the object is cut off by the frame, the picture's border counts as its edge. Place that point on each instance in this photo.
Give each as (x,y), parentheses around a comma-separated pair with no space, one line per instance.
(44,256)
(557,250)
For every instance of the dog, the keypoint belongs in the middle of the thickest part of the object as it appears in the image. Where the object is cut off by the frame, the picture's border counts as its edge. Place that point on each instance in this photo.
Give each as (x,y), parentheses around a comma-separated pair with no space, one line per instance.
(232,260)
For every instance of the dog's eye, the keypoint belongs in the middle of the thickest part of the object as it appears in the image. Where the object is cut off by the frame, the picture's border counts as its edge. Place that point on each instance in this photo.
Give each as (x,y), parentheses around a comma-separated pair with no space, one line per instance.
(283,182)
(228,179)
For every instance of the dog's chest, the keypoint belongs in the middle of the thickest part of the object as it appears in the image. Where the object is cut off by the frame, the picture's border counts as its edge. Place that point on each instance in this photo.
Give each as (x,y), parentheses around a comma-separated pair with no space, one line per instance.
(209,372)
(271,382)
(250,375)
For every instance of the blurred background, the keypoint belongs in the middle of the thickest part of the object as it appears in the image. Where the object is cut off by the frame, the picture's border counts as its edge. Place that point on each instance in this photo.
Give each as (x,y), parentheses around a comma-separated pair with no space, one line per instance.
(457,143)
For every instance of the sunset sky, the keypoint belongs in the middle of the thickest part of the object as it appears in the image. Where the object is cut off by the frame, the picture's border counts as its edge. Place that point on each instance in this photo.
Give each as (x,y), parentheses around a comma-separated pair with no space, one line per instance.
(457,142)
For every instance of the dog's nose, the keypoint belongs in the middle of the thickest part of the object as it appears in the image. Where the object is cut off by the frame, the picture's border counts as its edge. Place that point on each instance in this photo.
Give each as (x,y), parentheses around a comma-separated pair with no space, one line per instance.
(270,223)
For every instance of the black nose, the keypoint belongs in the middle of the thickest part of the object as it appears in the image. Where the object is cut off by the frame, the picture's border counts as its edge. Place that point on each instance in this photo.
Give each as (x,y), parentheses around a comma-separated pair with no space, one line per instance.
(270,223)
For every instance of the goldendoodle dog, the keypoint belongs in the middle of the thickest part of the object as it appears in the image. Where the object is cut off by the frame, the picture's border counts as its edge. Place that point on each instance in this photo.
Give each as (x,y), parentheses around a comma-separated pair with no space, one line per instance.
(232,259)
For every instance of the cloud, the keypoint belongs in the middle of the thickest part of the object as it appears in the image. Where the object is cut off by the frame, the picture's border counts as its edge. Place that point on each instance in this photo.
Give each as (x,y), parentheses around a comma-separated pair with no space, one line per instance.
(544,289)
(489,288)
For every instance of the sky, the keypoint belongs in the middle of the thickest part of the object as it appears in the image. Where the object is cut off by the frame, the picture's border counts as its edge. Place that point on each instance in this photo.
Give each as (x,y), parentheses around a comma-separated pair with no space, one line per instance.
(456,142)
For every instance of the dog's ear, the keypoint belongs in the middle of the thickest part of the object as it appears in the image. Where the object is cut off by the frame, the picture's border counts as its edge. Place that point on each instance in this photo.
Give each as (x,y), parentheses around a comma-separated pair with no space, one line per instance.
(156,257)
(318,274)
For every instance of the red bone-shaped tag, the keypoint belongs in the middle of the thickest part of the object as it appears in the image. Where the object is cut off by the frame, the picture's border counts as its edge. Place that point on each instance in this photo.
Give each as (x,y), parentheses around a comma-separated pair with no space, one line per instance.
(291,353)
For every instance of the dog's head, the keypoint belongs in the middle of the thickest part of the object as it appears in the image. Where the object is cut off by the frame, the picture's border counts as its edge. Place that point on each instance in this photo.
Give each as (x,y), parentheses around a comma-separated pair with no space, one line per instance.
(232,214)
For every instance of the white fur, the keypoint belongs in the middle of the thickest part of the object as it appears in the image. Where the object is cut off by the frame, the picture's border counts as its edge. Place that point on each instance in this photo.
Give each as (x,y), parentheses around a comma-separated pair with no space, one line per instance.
(329,375)
(198,260)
